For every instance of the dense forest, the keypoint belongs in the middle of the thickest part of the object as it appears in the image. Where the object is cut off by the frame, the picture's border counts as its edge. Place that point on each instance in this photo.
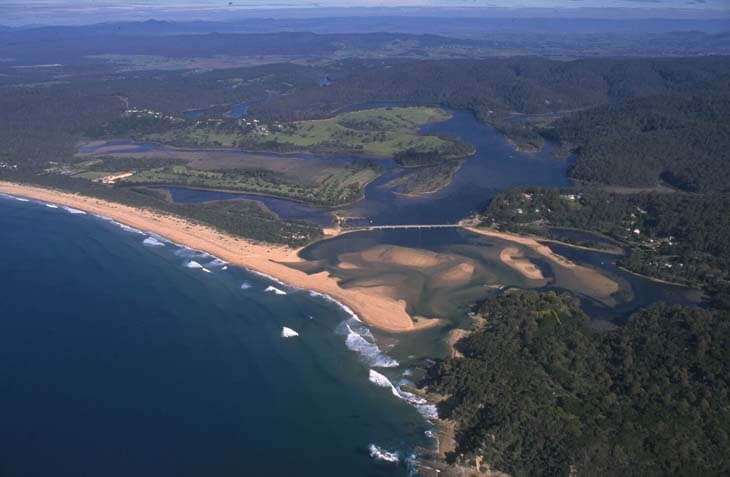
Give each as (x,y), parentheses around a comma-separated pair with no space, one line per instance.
(674,236)
(501,85)
(537,393)
(683,141)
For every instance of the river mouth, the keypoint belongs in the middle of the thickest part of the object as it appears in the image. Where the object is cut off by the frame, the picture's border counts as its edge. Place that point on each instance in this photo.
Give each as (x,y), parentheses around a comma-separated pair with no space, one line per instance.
(470,268)
(494,167)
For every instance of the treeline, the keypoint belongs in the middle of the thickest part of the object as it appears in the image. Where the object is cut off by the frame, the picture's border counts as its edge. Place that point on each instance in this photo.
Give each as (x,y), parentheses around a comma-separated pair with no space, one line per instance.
(41,125)
(539,394)
(683,141)
(455,149)
(492,88)
(673,236)
(248,219)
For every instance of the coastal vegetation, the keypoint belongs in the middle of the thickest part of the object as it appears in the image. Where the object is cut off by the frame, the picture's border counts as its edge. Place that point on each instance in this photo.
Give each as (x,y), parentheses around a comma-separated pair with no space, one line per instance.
(425,179)
(676,237)
(538,393)
(381,132)
(244,218)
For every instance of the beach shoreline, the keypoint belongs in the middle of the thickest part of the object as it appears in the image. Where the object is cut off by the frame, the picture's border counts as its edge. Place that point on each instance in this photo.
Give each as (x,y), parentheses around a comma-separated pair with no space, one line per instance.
(381,312)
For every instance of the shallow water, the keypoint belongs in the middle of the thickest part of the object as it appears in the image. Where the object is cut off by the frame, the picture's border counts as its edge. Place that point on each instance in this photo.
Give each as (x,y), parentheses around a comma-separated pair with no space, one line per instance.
(119,358)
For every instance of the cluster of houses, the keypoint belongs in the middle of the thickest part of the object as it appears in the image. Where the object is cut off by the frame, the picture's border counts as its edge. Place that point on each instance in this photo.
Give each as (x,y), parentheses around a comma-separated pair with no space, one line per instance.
(148,113)
(112,179)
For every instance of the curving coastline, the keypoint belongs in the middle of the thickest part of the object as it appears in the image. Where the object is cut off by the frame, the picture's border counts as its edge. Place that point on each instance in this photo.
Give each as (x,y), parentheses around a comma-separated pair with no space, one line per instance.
(381,312)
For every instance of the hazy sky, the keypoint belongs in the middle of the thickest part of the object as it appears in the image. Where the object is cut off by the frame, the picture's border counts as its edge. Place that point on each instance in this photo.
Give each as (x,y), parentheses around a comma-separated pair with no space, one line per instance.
(14,12)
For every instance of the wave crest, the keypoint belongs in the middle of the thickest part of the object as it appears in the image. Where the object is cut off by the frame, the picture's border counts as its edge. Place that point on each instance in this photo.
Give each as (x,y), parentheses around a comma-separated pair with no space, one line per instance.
(378,453)
(152,242)
(359,339)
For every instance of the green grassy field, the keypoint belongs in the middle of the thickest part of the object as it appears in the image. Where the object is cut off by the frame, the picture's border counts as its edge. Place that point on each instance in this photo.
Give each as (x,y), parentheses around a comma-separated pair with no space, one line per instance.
(326,185)
(379,132)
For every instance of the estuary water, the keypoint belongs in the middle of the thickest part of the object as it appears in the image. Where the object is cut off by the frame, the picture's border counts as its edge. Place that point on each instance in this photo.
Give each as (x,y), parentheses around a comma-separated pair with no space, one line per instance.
(124,354)
(496,166)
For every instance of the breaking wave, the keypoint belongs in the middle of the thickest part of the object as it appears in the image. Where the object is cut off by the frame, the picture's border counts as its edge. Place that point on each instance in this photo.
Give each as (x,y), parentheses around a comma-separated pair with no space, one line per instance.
(359,339)
(269,277)
(193,264)
(275,290)
(21,199)
(127,228)
(152,242)
(425,408)
(378,453)
(288,333)
(73,211)
(51,206)
(186,252)
(380,380)
(245,286)
(217,263)
(346,308)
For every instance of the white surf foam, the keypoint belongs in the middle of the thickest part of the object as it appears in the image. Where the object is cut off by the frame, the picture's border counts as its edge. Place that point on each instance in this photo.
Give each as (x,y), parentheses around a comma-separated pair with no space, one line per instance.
(21,199)
(378,453)
(346,308)
(288,332)
(224,267)
(425,408)
(205,270)
(275,290)
(380,380)
(51,206)
(216,263)
(127,228)
(73,211)
(359,339)
(245,286)
(186,252)
(193,264)
(152,242)
(273,279)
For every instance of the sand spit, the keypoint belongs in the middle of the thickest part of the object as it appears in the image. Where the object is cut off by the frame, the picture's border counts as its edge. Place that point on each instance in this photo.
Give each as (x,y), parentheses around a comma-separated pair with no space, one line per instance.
(514,258)
(379,311)
(581,279)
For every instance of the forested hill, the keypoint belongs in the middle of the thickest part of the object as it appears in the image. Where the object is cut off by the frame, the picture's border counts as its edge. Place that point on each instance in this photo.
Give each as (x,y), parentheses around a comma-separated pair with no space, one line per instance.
(683,141)
(497,86)
(538,394)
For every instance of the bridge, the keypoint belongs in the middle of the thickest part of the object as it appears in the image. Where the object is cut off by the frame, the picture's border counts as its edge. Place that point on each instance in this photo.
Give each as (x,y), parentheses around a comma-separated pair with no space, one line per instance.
(400,227)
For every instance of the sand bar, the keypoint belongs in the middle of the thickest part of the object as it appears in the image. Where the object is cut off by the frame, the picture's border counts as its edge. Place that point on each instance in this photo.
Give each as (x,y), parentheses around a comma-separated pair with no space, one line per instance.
(379,311)
(583,279)
(514,258)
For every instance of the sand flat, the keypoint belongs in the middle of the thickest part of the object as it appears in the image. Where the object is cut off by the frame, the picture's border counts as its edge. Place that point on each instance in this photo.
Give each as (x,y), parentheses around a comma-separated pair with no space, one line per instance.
(379,311)
(407,257)
(583,279)
(514,258)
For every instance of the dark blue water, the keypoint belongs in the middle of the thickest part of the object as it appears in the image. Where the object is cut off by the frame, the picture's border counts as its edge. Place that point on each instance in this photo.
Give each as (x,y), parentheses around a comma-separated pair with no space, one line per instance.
(120,360)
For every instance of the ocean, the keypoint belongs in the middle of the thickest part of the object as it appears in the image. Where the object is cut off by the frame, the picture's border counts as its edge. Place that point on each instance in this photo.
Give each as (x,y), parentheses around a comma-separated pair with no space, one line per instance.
(123,354)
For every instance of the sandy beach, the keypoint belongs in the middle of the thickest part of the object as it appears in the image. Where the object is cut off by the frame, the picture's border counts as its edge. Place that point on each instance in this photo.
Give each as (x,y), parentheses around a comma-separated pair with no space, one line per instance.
(376,310)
